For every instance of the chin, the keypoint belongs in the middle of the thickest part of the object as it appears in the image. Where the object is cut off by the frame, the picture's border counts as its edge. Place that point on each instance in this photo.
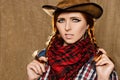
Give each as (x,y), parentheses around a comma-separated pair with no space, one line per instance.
(70,42)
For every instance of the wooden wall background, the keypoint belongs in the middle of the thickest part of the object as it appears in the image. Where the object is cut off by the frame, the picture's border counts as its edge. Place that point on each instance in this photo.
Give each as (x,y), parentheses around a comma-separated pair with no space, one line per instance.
(24,27)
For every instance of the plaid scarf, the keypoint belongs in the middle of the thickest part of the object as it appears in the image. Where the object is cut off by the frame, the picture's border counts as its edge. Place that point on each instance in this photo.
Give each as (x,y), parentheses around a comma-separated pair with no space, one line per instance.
(66,61)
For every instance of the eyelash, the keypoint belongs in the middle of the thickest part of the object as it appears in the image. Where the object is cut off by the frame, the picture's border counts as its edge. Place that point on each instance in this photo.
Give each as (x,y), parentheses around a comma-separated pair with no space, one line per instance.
(76,20)
(62,20)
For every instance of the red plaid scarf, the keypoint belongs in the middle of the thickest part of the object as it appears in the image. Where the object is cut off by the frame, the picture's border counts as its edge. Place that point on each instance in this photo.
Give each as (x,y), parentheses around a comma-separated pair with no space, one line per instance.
(66,61)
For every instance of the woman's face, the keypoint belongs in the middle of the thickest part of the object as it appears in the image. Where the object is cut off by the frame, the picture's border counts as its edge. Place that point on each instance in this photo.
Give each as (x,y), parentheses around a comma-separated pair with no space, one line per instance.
(71,26)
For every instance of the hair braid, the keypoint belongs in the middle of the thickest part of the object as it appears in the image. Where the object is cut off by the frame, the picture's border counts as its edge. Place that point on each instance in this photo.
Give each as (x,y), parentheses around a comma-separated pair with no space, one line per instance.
(92,36)
(54,33)
(49,42)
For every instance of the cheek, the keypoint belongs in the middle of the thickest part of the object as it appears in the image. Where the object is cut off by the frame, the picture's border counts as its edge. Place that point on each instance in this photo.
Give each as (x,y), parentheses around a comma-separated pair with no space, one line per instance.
(81,30)
(60,30)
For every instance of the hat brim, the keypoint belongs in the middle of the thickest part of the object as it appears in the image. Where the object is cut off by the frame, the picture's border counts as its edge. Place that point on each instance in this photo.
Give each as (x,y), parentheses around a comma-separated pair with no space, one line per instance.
(91,8)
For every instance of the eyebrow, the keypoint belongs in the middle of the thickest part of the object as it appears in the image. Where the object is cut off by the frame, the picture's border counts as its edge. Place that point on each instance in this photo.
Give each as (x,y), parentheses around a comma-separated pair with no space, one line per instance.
(75,17)
(70,17)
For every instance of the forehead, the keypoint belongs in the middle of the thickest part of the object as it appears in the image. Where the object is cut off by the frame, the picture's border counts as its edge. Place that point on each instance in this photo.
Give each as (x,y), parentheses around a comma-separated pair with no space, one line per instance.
(70,14)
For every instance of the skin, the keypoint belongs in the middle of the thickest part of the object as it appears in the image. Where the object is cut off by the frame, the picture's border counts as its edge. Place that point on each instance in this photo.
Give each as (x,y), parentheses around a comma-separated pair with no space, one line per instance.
(35,69)
(71,27)
(104,66)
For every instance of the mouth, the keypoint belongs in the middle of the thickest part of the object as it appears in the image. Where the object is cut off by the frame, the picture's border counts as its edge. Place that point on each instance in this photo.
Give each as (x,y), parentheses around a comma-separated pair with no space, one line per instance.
(69,36)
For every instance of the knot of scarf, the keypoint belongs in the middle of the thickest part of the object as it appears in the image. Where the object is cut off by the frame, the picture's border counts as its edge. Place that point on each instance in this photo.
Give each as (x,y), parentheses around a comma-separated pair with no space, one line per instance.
(66,61)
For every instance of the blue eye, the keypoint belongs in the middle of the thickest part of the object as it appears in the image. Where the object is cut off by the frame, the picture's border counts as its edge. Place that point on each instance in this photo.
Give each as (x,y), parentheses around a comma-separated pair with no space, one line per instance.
(60,20)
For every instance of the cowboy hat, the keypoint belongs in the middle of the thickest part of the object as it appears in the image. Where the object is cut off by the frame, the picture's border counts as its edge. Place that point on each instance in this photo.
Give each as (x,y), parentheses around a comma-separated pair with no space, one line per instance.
(75,5)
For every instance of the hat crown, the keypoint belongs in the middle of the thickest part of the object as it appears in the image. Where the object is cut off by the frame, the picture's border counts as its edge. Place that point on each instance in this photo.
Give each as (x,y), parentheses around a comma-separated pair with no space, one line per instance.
(67,3)
(85,6)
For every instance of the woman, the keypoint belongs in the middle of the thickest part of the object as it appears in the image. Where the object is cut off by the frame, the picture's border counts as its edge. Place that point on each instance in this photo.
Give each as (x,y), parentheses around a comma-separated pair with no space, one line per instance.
(72,50)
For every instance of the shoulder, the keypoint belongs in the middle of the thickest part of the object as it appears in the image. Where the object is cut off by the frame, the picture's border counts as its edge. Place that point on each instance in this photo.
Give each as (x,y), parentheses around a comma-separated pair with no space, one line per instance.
(88,72)
(42,52)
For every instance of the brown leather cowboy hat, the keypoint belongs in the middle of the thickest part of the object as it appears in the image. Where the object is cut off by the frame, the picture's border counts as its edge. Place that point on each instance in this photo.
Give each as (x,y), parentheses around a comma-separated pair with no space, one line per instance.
(75,5)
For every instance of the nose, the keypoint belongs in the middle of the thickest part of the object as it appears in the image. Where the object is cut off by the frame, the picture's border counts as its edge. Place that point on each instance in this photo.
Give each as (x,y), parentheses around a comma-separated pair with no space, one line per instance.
(67,26)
